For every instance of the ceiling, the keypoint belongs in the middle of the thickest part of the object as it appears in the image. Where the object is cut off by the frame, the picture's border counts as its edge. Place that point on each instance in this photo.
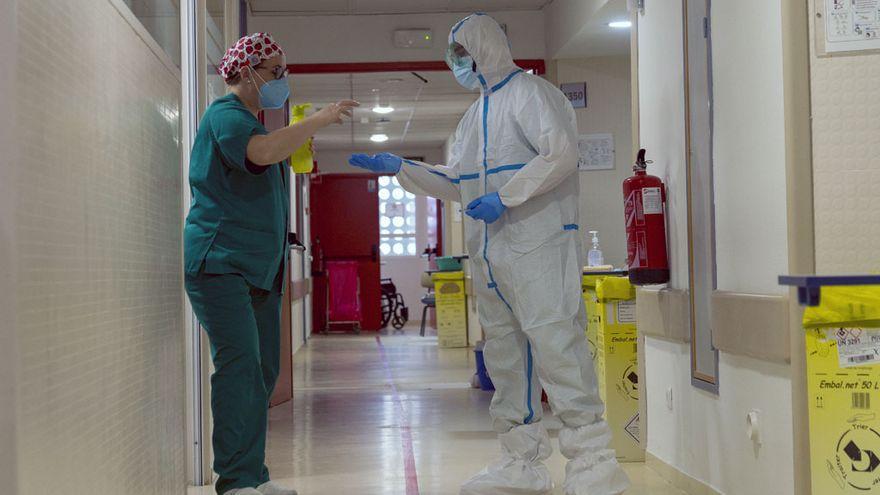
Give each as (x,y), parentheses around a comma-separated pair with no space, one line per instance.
(361,7)
(596,39)
(425,113)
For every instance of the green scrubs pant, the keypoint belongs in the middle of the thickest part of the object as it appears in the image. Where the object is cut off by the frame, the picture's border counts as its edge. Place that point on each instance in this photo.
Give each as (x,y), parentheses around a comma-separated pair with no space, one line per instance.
(243,325)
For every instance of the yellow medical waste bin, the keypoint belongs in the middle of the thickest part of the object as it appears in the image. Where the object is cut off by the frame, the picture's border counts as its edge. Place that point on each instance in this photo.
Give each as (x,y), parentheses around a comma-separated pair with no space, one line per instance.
(594,311)
(611,306)
(843,381)
(451,304)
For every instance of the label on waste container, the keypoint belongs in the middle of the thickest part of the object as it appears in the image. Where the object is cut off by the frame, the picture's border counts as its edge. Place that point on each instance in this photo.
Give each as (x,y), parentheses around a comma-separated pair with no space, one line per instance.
(844,424)
(856,346)
(626,312)
(621,312)
(632,428)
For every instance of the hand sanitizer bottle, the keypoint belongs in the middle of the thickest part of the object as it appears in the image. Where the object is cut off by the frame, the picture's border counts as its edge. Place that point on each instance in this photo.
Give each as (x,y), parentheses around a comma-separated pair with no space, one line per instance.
(595,257)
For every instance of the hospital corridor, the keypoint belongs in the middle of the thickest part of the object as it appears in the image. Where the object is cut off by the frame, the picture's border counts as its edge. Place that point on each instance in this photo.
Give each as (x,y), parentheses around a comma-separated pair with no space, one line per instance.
(393,415)
(439,247)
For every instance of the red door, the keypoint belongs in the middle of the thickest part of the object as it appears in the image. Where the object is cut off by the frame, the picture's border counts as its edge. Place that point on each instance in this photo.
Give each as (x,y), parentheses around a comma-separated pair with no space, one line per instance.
(345,227)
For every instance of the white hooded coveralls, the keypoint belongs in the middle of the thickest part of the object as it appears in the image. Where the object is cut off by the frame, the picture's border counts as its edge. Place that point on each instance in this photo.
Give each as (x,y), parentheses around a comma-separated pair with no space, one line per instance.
(519,139)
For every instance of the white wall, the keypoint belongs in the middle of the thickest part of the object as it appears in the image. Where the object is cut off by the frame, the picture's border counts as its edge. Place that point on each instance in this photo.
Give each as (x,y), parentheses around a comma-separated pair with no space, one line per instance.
(8,199)
(750,200)
(298,327)
(97,230)
(704,436)
(297,308)
(302,310)
(368,38)
(609,110)
(661,121)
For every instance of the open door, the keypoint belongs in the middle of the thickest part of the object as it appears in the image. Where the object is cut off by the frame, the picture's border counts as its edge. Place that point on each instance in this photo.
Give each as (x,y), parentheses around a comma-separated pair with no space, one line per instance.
(345,227)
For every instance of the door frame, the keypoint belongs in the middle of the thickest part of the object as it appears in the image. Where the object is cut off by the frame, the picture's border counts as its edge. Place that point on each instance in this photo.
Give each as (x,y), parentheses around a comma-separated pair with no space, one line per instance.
(194,67)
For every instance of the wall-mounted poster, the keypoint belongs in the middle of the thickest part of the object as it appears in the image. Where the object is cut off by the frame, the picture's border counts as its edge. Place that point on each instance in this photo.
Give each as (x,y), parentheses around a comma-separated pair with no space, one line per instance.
(852,25)
(595,152)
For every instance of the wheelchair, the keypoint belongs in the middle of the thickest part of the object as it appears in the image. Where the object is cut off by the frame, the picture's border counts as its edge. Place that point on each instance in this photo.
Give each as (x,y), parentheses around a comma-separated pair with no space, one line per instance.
(394,310)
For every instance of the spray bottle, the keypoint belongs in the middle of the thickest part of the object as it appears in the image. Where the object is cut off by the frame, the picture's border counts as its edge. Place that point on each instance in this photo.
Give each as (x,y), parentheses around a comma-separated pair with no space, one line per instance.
(301,160)
(595,257)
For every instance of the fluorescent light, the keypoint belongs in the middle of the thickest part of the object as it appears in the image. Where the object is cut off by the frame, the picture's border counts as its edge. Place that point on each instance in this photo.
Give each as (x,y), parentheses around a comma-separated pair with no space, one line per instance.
(620,24)
(383,110)
(379,138)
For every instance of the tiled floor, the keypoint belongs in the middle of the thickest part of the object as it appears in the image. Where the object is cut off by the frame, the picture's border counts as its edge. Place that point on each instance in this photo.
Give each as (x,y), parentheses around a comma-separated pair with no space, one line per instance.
(390,417)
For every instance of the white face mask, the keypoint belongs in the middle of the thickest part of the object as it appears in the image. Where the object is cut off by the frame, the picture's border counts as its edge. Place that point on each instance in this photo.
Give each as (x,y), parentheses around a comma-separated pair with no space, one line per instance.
(273,93)
(465,75)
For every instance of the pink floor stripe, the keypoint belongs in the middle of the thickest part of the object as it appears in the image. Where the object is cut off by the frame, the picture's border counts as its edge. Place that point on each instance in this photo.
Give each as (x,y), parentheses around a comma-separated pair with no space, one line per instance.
(406,438)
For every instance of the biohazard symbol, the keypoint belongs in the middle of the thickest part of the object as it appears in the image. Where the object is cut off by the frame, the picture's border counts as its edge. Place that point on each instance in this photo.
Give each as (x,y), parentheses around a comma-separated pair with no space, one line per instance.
(863,461)
(819,345)
(857,460)
(629,382)
(450,288)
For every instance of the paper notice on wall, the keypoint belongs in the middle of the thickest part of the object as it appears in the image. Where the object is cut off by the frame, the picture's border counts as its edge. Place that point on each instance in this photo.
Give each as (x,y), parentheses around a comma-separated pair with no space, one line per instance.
(595,152)
(852,25)
(856,346)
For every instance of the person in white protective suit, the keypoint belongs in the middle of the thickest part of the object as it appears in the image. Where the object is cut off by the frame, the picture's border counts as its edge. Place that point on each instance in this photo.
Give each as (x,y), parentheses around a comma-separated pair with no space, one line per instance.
(513,163)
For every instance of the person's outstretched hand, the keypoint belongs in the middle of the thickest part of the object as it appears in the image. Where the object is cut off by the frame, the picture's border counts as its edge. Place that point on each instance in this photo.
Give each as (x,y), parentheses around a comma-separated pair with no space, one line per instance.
(486,208)
(383,163)
(334,112)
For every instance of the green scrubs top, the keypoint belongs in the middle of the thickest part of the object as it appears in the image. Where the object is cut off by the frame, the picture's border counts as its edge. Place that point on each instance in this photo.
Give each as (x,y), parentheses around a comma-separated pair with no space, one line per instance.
(238,221)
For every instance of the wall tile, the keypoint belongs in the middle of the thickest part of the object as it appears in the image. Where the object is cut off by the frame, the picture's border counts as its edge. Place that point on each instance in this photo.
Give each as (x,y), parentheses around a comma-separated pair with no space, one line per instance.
(846,162)
(98,238)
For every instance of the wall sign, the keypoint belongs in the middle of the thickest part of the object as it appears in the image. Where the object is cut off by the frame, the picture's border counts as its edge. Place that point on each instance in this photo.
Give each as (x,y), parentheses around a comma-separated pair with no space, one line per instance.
(576,93)
(595,152)
(852,25)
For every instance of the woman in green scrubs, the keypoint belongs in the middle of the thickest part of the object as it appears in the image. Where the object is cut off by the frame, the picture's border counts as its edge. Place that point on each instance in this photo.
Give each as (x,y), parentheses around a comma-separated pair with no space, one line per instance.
(235,244)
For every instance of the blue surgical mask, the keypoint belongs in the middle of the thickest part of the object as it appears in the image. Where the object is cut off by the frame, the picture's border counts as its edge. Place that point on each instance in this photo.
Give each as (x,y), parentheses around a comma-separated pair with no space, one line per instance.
(465,75)
(274,93)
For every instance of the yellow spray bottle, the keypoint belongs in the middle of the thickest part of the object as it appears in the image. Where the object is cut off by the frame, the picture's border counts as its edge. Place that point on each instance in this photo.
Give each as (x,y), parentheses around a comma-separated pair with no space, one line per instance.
(302,161)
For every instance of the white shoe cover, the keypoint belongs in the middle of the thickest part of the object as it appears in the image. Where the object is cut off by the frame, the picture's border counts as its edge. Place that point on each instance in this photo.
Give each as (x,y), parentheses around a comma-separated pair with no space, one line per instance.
(271,488)
(242,491)
(521,470)
(592,468)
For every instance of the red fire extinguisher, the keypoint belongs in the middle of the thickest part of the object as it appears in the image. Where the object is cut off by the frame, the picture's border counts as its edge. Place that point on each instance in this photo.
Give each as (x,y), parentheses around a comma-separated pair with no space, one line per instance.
(644,199)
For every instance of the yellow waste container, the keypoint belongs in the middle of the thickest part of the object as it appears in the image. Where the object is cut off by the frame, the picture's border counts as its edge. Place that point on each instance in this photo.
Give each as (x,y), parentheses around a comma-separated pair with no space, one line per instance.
(610,302)
(843,381)
(594,311)
(451,304)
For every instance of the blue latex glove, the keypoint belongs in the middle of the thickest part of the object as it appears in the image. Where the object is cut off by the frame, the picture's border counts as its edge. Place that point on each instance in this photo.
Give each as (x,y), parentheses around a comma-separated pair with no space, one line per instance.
(486,208)
(383,163)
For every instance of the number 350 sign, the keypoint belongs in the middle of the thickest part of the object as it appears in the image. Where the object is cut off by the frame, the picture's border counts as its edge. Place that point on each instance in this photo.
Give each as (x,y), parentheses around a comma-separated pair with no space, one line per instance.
(576,93)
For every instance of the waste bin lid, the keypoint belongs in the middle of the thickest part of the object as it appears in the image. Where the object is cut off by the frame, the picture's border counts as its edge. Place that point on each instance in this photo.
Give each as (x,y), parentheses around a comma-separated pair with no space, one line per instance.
(459,275)
(615,289)
(845,306)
